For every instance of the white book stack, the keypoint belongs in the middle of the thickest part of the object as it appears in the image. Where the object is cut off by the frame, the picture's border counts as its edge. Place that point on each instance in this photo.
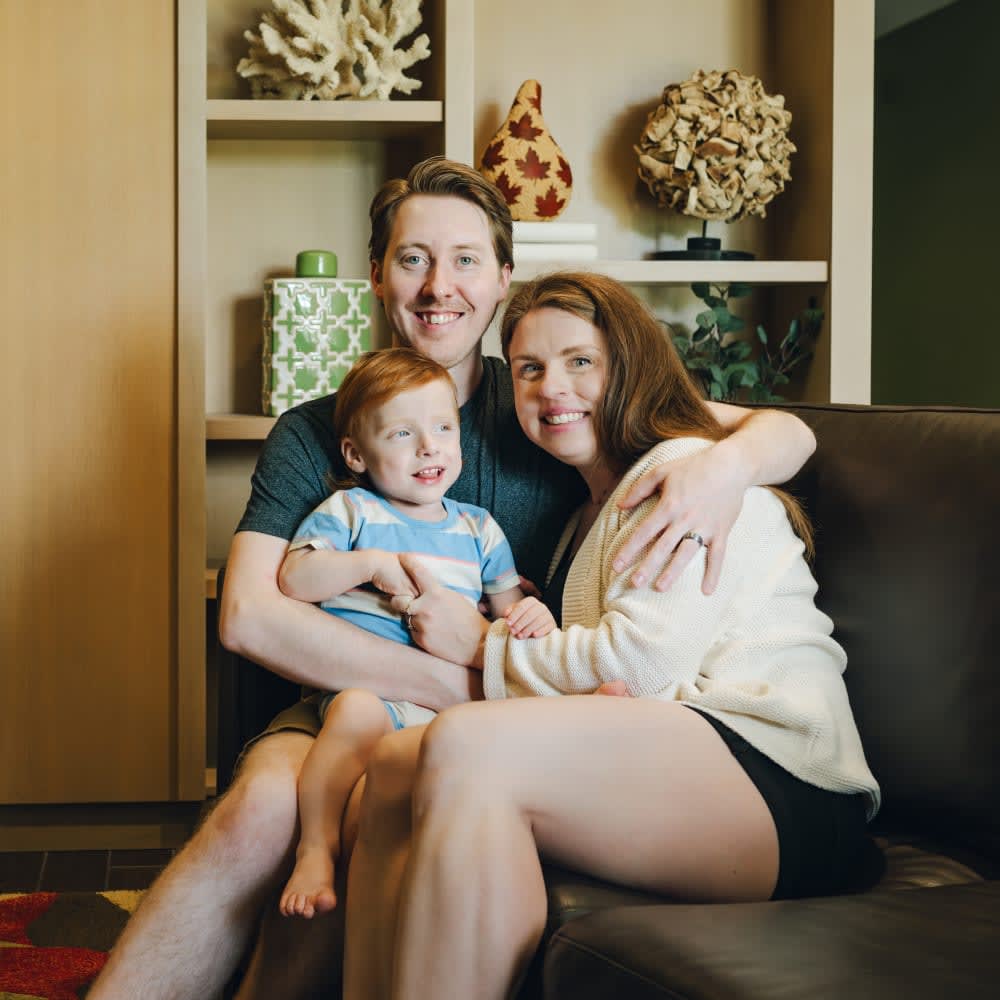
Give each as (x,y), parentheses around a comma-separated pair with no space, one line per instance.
(555,241)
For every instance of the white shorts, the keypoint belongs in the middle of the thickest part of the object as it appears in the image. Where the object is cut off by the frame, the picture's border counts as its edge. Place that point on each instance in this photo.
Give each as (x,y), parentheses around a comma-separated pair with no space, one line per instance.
(401,713)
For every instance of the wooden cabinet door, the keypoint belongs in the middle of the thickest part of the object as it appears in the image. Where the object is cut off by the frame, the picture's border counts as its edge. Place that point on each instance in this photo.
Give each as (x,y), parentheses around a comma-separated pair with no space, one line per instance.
(88,483)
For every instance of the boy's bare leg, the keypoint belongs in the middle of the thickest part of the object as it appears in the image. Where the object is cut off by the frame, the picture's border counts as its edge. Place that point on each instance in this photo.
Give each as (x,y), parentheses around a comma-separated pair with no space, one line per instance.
(355,721)
(196,921)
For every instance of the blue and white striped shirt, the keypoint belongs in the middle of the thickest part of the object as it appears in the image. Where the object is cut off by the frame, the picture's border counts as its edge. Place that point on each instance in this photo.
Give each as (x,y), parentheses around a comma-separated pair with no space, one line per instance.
(467,552)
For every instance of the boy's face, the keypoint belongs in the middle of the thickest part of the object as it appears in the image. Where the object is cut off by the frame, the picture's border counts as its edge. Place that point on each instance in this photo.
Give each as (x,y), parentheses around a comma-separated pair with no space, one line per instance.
(440,281)
(409,447)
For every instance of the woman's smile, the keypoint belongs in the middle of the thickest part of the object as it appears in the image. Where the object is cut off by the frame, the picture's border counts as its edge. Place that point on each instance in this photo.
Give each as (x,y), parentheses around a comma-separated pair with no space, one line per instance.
(558,361)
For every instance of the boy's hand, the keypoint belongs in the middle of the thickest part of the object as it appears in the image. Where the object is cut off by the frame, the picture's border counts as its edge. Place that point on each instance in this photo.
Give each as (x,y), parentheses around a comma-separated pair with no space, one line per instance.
(528,618)
(389,576)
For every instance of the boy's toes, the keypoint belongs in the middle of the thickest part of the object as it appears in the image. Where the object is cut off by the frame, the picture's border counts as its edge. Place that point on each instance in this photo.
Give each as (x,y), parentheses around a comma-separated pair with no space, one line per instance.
(325,900)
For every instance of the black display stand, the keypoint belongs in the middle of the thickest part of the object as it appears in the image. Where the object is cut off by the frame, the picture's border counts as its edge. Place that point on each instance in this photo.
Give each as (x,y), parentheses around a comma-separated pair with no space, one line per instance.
(702,248)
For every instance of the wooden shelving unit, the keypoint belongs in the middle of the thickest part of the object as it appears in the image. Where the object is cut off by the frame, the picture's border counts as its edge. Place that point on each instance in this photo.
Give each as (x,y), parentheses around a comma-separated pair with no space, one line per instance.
(684,272)
(341,120)
(818,54)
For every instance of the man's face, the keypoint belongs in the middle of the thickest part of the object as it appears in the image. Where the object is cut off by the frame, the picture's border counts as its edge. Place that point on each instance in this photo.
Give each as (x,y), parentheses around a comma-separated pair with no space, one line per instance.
(440,281)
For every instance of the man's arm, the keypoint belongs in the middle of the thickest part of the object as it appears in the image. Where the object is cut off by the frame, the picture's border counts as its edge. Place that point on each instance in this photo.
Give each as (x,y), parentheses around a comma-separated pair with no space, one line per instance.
(305,644)
(703,493)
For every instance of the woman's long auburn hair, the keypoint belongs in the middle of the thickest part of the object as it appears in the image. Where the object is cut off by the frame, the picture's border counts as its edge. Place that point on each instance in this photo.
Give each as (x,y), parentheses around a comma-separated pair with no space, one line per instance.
(374,379)
(650,396)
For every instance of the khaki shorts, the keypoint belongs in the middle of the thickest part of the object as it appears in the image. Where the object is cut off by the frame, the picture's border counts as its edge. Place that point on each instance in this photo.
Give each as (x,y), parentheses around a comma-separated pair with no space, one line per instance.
(302,717)
(306,716)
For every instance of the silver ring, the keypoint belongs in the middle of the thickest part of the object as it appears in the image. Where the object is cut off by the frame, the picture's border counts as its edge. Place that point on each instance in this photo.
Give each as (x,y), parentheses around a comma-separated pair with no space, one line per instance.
(409,621)
(694,536)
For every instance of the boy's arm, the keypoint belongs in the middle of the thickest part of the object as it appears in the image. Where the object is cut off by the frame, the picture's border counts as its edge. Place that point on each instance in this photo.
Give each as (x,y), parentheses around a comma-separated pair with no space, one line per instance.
(703,493)
(499,604)
(305,644)
(317,574)
(527,617)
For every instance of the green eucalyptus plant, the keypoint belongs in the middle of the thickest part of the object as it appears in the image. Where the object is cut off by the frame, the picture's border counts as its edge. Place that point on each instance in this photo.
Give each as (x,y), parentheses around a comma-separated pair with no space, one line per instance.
(721,359)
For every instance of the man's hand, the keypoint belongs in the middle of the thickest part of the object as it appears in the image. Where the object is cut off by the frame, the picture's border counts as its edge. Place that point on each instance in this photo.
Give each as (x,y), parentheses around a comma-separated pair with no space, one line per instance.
(441,621)
(701,493)
(528,618)
(389,576)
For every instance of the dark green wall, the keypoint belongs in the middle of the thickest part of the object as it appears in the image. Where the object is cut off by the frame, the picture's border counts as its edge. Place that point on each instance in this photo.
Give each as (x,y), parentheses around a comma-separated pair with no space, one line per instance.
(936,266)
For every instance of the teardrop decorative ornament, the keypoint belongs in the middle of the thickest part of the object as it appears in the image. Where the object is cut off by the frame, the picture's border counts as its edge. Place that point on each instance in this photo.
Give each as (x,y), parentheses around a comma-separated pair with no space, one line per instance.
(525,163)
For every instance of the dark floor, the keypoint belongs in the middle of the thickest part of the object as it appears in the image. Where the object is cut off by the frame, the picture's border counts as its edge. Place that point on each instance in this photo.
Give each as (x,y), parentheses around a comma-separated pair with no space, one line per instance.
(80,871)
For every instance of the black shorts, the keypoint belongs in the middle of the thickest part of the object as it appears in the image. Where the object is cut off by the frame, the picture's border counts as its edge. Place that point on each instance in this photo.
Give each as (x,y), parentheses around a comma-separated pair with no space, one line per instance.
(823,841)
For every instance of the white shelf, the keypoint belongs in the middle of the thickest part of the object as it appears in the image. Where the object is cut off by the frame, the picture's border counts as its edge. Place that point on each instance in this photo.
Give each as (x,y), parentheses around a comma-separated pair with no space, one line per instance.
(685,272)
(348,119)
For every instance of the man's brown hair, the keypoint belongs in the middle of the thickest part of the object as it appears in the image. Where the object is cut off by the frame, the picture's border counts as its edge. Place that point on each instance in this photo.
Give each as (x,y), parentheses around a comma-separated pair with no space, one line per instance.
(439,176)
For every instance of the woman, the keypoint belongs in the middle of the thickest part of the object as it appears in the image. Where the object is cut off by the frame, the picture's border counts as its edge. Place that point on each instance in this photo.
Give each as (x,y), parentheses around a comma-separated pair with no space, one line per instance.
(735,770)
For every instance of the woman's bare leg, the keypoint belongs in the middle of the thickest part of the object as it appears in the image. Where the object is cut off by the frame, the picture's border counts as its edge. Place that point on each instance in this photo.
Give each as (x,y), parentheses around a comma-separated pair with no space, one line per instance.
(639,792)
(355,722)
(377,865)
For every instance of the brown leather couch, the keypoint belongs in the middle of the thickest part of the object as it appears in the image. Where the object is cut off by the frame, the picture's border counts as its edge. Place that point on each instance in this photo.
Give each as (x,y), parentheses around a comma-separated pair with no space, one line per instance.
(906,507)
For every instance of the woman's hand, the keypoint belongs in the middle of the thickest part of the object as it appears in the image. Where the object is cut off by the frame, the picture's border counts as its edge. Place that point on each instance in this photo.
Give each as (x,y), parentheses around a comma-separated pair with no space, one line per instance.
(442,622)
(701,493)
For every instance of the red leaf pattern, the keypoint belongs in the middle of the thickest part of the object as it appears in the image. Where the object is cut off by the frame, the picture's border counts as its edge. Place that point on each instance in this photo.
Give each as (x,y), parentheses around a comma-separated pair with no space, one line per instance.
(511,192)
(493,157)
(523,129)
(550,205)
(564,173)
(531,167)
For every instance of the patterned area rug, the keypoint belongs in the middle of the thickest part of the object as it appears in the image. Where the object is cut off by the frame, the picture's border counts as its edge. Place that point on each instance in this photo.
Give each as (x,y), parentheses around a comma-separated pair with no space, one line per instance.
(53,944)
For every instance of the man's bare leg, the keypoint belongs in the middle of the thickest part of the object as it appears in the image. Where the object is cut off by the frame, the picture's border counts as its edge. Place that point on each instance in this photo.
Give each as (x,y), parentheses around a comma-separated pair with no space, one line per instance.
(195,923)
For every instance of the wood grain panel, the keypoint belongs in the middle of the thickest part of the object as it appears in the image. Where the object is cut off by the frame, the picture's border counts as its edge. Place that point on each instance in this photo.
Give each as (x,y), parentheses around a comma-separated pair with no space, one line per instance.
(87,612)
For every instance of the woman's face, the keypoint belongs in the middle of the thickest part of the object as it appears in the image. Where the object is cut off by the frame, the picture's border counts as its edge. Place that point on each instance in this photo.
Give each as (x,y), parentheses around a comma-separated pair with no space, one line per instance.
(559,365)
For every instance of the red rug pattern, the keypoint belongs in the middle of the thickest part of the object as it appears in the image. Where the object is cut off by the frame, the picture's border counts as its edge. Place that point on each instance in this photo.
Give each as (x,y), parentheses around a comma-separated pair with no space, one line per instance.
(52,944)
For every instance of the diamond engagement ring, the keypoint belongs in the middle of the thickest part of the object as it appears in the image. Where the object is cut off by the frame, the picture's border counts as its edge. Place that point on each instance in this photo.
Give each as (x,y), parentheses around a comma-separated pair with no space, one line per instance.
(694,536)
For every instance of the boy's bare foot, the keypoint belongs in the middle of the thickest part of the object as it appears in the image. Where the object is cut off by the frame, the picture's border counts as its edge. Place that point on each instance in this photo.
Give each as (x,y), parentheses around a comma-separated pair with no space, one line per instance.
(310,889)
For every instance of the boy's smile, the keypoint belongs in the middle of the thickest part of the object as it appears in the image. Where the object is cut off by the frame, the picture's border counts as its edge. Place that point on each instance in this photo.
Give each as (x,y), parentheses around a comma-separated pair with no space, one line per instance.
(409,447)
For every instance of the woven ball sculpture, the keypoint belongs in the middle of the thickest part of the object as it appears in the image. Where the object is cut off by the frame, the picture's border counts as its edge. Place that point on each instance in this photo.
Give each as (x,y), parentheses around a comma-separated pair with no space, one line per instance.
(717,147)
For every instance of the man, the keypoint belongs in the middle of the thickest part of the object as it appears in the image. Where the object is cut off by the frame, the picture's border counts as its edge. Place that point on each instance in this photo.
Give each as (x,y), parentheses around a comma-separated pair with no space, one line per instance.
(441,263)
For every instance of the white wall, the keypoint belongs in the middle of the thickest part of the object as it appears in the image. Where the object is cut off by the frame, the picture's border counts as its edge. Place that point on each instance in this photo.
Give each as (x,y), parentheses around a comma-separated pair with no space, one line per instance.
(602,71)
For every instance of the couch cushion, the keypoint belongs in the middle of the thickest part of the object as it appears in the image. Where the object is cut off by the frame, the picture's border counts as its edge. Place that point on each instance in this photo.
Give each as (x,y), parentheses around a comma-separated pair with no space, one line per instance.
(905,503)
(924,943)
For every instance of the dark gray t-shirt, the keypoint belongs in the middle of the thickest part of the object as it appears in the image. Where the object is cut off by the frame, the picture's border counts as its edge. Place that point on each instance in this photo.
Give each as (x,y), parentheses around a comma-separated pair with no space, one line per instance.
(529,493)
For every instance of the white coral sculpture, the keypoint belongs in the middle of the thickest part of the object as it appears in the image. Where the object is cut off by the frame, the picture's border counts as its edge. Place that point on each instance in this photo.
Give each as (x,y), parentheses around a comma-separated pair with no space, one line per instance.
(327,49)
(717,147)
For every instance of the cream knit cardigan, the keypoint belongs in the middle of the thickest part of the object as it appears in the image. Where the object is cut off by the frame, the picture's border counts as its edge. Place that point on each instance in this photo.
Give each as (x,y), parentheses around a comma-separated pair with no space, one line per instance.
(757,654)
